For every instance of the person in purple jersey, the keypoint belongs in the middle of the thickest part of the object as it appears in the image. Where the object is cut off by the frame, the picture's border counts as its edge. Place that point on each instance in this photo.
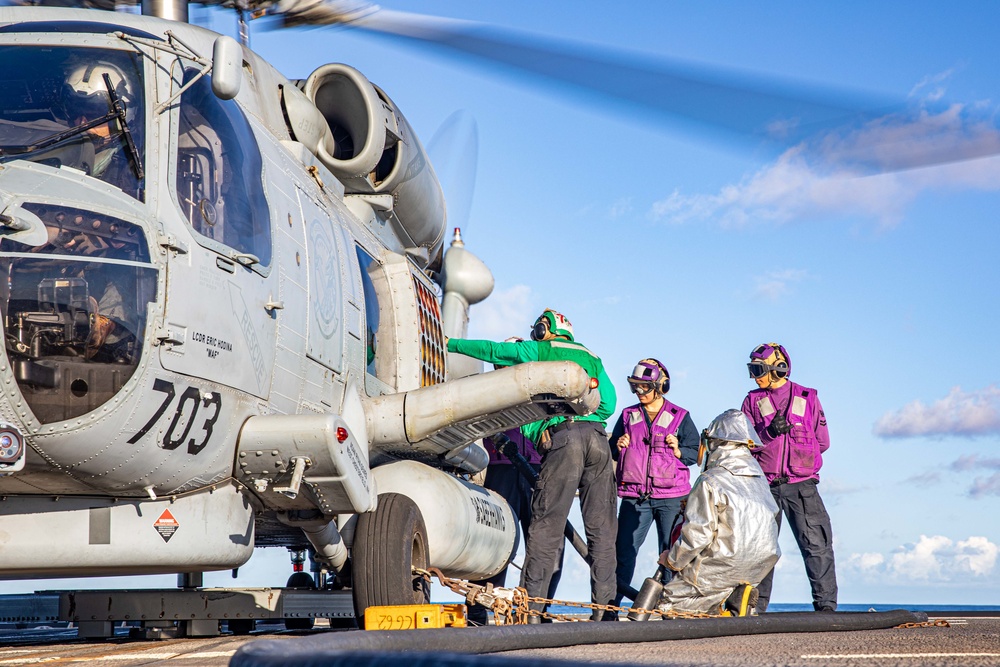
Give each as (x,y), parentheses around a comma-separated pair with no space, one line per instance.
(654,442)
(504,478)
(792,428)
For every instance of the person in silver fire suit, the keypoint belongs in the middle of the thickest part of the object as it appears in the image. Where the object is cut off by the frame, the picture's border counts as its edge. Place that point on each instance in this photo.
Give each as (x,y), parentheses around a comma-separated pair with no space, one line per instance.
(729,536)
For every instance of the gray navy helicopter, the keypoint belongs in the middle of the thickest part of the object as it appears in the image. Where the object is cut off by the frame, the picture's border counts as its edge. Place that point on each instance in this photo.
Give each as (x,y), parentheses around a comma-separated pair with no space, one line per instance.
(224,307)
(226,299)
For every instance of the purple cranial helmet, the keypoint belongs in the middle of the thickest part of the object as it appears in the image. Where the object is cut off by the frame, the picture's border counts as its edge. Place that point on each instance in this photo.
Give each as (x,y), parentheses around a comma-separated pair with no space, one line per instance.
(767,358)
(651,372)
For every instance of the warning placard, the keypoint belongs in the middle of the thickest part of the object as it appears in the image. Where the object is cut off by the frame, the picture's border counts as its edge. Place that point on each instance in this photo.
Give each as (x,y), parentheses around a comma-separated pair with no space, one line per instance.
(166,525)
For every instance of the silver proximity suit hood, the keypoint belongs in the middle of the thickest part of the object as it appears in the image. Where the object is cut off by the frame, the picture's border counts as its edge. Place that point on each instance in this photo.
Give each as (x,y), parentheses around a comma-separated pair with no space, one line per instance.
(730,532)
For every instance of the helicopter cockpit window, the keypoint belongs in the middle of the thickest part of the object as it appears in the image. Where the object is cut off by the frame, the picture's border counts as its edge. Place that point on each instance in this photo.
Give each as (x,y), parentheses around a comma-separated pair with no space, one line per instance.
(74,309)
(369,266)
(219,172)
(57,107)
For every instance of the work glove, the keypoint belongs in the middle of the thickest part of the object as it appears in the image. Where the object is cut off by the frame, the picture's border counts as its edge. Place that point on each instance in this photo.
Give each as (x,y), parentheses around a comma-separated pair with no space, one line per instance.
(779,426)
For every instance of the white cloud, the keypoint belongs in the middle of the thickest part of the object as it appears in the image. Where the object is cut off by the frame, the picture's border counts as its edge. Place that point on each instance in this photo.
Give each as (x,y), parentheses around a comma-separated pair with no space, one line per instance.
(865,562)
(931,87)
(791,190)
(922,560)
(833,486)
(977,555)
(774,285)
(959,413)
(985,486)
(507,312)
(974,462)
(838,173)
(932,560)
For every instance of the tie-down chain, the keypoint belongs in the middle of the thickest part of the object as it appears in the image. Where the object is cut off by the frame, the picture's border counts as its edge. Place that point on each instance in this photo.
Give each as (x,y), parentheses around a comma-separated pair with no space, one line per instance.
(511,606)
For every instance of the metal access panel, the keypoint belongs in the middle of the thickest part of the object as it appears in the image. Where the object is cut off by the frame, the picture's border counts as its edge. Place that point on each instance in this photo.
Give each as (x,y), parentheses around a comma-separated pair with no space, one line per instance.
(196,612)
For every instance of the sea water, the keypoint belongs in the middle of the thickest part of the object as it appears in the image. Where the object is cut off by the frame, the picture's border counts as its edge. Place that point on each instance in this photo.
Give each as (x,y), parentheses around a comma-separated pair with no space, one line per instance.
(807,606)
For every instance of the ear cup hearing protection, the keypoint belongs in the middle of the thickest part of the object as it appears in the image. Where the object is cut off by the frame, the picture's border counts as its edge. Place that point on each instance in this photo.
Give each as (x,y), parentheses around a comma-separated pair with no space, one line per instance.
(541,328)
(663,384)
(784,366)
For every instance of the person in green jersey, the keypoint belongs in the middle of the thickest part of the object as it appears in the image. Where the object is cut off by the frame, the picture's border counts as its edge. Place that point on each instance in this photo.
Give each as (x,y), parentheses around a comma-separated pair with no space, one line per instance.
(575,457)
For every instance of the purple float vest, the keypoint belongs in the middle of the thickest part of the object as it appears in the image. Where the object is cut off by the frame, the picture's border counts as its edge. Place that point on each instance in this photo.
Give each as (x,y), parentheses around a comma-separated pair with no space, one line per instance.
(652,469)
(795,455)
(524,446)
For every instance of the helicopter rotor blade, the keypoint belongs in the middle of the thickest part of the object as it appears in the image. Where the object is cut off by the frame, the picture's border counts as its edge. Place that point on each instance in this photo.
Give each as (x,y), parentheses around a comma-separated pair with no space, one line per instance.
(832,130)
(454,152)
(836,129)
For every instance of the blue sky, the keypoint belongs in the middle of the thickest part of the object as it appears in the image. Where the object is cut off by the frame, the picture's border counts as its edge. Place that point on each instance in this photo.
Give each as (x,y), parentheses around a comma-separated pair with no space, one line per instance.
(658,239)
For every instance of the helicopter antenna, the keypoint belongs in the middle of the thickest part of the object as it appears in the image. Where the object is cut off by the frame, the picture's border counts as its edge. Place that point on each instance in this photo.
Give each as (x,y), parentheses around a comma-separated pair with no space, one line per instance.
(242,8)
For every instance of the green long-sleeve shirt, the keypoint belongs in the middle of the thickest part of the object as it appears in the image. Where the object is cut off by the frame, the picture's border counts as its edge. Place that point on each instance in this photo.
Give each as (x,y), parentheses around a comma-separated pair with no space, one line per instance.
(509,354)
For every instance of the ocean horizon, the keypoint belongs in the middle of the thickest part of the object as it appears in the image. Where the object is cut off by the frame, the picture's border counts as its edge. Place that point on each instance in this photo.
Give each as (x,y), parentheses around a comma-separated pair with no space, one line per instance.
(807,606)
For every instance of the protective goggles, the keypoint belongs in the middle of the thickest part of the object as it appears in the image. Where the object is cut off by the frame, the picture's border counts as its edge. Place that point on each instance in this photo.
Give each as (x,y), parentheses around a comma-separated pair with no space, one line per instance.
(759,369)
(640,388)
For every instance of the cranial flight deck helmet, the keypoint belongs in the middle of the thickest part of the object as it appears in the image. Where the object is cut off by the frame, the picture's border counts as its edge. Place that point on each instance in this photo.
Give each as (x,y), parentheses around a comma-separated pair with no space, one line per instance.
(651,372)
(89,90)
(770,358)
(551,321)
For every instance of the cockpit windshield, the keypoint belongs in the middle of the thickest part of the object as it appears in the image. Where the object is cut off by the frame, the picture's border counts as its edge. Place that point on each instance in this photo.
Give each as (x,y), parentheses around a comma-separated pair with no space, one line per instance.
(74,309)
(76,107)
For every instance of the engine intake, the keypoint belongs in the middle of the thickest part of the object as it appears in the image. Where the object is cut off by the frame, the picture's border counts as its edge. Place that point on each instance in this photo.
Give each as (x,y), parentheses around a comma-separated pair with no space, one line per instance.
(372,149)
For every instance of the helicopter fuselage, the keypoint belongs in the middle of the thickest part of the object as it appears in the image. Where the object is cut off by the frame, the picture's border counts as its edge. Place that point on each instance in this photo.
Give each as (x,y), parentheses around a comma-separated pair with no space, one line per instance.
(222,316)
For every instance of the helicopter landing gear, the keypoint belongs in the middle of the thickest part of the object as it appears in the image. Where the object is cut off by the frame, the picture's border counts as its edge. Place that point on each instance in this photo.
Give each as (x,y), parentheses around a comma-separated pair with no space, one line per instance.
(383,572)
(242,626)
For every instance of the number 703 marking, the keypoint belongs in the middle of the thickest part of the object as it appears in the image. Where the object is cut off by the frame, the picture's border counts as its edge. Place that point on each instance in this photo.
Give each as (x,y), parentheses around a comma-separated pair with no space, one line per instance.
(190,401)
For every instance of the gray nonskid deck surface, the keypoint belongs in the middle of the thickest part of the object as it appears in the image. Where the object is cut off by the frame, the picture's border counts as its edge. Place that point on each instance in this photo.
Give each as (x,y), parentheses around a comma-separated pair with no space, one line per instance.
(968,642)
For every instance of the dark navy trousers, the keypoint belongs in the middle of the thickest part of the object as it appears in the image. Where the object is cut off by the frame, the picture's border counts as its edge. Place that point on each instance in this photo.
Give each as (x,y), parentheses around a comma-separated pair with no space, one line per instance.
(579,460)
(508,481)
(634,520)
(810,524)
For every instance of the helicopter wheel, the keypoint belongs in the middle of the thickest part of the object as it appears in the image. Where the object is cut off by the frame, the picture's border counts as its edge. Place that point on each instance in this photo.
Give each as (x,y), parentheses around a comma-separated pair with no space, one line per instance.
(300,580)
(383,572)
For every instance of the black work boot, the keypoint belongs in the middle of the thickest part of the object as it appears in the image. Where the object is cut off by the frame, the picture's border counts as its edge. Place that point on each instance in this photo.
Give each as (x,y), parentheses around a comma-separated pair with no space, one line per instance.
(477,615)
(742,601)
(536,608)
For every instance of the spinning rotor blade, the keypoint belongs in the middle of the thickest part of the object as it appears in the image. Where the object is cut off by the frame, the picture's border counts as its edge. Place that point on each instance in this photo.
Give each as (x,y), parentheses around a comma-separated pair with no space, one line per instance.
(454,152)
(840,130)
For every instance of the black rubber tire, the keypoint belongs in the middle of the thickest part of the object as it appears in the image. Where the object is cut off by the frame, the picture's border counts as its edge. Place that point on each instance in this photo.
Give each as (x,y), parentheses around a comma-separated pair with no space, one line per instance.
(388,544)
(242,626)
(300,580)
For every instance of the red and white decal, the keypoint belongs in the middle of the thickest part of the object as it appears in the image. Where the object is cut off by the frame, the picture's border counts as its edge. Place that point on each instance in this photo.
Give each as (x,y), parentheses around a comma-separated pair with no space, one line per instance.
(166,525)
